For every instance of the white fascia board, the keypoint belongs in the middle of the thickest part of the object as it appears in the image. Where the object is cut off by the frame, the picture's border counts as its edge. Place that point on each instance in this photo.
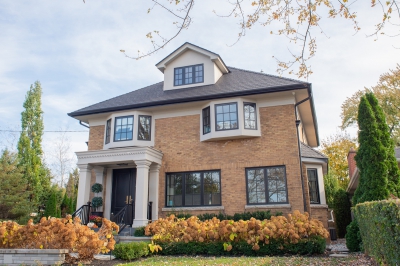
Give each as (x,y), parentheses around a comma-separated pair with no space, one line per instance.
(216,59)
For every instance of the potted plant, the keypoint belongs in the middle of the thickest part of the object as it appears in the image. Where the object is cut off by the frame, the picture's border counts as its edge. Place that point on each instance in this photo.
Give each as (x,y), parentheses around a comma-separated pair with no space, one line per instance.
(97,201)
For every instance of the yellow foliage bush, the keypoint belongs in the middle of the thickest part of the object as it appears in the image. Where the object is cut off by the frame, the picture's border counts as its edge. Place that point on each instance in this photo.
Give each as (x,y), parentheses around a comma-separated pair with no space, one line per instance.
(59,233)
(291,229)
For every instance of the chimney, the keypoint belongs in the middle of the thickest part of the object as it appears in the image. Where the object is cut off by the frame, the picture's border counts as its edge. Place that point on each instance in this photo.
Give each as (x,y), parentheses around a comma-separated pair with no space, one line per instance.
(351,162)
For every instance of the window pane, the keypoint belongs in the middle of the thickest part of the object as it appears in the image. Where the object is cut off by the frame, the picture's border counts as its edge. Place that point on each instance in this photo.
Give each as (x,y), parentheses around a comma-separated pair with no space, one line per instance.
(174,190)
(144,127)
(276,184)
(192,189)
(250,116)
(313,185)
(226,113)
(206,120)
(256,185)
(123,128)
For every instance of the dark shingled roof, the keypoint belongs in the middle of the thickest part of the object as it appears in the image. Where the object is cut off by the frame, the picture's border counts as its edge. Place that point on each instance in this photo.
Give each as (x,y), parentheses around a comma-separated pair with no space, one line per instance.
(308,152)
(237,83)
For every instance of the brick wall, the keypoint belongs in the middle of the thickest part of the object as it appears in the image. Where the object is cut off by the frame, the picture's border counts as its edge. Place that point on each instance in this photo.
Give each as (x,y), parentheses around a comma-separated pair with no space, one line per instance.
(351,162)
(179,139)
(96,138)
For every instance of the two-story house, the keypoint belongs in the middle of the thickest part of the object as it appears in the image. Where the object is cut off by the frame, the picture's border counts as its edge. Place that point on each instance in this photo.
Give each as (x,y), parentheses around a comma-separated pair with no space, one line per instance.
(208,138)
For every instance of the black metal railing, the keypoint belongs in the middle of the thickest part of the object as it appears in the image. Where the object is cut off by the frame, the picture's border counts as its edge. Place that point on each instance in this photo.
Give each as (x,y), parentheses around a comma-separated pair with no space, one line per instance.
(124,217)
(83,213)
(150,211)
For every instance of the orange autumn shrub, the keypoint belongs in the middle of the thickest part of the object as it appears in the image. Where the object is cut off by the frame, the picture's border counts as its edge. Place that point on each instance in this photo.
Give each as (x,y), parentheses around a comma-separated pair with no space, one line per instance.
(59,233)
(291,229)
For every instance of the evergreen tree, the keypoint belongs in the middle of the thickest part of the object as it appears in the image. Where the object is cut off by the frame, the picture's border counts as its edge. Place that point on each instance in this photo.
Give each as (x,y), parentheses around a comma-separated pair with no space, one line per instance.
(51,206)
(72,188)
(388,143)
(370,158)
(342,211)
(30,146)
(13,195)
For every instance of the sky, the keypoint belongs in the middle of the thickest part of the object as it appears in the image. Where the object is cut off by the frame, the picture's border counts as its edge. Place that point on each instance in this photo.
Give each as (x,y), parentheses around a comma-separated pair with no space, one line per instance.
(73,49)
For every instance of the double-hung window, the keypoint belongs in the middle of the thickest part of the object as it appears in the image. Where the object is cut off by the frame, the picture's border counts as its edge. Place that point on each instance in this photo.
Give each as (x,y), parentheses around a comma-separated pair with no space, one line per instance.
(108,131)
(266,185)
(144,128)
(226,116)
(313,186)
(188,75)
(123,129)
(206,120)
(193,189)
(250,116)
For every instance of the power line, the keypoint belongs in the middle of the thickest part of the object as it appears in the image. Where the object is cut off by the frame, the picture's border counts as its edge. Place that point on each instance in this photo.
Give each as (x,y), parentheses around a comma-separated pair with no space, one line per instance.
(2,130)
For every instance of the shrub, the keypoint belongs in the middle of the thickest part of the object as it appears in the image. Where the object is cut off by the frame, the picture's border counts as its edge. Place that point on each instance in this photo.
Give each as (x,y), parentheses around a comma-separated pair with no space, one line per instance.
(341,208)
(97,202)
(275,247)
(130,251)
(292,230)
(379,223)
(64,233)
(97,188)
(139,231)
(353,238)
(259,215)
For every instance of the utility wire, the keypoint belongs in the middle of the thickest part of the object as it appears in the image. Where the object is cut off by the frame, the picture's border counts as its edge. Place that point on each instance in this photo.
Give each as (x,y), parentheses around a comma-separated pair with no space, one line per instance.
(2,130)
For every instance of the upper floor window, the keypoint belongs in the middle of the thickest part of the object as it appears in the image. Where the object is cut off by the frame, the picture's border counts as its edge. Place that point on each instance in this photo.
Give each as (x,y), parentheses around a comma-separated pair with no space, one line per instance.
(144,129)
(206,120)
(313,185)
(108,131)
(188,75)
(123,128)
(266,185)
(226,116)
(250,118)
(193,189)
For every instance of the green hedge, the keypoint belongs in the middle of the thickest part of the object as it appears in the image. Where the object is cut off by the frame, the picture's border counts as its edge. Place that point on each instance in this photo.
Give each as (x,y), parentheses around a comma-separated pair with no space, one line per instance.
(245,216)
(314,245)
(379,223)
(342,211)
(130,251)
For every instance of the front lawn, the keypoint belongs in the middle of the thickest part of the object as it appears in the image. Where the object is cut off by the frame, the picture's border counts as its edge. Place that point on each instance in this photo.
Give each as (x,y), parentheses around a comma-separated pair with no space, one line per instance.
(293,260)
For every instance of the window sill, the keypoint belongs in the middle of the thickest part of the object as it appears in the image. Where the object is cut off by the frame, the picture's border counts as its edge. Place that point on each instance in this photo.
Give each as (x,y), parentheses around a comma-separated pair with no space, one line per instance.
(319,206)
(272,206)
(200,208)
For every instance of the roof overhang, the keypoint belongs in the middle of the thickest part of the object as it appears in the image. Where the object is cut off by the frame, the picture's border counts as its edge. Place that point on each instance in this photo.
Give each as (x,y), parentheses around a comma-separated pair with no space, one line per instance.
(321,161)
(162,65)
(353,184)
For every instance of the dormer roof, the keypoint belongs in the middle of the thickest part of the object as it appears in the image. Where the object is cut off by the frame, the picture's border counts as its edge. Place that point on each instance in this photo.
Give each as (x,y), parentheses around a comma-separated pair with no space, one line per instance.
(215,58)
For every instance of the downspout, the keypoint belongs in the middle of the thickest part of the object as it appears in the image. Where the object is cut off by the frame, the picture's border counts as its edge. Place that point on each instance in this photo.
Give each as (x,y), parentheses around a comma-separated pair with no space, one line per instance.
(82,124)
(299,145)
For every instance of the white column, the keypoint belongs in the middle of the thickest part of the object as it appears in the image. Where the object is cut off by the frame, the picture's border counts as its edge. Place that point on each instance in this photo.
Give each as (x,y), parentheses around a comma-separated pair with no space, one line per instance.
(141,195)
(99,171)
(153,189)
(85,174)
(107,205)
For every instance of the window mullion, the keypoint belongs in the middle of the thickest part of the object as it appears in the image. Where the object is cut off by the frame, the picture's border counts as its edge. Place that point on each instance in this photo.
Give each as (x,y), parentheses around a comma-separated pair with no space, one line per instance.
(183,76)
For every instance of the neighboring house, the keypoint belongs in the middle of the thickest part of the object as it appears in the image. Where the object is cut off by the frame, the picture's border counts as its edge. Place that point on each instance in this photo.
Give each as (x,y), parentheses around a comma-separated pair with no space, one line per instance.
(354,174)
(207,139)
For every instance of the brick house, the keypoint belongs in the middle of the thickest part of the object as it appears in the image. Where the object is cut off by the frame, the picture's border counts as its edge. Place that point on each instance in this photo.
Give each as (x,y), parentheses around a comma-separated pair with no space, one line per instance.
(207,139)
(354,174)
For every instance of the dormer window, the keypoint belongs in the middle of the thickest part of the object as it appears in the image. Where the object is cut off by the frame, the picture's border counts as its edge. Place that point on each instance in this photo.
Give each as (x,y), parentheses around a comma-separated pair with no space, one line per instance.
(188,75)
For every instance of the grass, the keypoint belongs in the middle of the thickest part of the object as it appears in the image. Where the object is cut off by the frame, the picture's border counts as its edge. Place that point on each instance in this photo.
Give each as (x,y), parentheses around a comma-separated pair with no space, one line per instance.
(293,260)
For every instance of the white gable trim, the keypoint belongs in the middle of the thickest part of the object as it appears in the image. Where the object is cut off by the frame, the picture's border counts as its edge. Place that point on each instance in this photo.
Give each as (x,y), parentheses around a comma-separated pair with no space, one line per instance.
(216,59)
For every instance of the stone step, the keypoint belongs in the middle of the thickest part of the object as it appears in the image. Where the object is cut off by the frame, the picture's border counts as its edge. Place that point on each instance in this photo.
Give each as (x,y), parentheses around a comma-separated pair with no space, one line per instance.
(339,255)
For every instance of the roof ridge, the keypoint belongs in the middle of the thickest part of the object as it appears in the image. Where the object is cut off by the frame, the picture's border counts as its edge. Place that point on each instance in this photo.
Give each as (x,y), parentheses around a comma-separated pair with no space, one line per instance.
(320,153)
(266,74)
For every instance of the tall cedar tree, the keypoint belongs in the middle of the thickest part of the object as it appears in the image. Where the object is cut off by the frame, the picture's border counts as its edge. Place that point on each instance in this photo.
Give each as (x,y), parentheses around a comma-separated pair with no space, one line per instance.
(387,141)
(30,146)
(13,194)
(370,158)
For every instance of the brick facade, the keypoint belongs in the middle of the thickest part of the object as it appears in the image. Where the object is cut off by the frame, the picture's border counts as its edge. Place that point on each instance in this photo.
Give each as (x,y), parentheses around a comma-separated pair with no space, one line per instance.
(179,140)
(96,138)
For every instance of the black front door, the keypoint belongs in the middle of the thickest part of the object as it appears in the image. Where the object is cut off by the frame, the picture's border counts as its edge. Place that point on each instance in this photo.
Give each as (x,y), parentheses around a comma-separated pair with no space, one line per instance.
(123,192)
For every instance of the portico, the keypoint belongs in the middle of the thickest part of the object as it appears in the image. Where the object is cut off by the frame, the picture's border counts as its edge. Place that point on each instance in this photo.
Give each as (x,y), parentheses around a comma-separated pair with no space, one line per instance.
(102,163)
